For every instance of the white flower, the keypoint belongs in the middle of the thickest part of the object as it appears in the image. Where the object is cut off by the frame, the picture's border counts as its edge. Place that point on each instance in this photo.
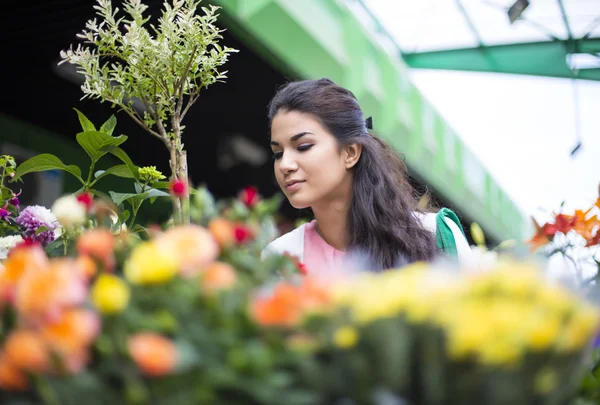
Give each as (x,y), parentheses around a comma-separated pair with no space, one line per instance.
(70,212)
(7,243)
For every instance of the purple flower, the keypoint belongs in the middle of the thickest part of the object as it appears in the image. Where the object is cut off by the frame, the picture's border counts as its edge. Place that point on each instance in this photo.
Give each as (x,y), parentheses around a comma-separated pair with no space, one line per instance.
(34,217)
(15,200)
(5,214)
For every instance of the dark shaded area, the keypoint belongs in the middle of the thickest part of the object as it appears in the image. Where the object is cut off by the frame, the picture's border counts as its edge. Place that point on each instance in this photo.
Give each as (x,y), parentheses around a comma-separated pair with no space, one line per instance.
(41,97)
(34,34)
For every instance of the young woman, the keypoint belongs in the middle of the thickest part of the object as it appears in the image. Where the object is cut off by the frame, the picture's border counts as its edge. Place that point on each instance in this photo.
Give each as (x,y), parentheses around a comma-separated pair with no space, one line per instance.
(325,158)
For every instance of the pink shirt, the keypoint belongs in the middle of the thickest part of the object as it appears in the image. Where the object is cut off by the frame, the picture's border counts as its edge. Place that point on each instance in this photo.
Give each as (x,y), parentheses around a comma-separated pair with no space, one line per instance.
(319,257)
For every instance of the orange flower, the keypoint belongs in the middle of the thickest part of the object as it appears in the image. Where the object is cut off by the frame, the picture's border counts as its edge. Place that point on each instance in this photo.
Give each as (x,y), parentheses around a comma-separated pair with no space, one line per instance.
(154,355)
(86,266)
(218,276)
(75,329)
(315,296)
(194,247)
(585,226)
(223,231)
(540,238)
(44,294)
(98,244)
(20,260)
(282,308)
(11,378)
(27,351)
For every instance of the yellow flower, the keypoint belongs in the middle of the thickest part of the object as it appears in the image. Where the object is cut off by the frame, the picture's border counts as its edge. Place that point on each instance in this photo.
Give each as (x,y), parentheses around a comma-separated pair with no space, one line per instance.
(543,333)
(150,263)
(580,329)
(150,174)
(110,294)
(345,337)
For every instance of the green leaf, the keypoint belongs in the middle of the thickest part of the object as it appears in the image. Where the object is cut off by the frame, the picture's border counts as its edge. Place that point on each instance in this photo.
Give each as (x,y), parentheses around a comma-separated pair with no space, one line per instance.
(109,126)
(120,153)
(86,124)
(41,229)
(44,162)
(119,171)
(119,198)
(152,192)
(93,142)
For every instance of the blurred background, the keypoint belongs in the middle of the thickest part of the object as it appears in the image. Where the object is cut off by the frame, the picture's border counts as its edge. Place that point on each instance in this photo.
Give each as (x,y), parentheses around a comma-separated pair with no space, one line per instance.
(494,104)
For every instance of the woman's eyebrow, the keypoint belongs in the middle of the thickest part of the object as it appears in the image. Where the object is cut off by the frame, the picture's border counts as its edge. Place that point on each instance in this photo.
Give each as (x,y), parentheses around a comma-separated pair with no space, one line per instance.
(294,138)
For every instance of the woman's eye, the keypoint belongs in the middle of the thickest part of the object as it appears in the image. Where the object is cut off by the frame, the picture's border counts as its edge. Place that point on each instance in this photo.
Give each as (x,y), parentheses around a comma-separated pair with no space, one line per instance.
(302,148)
(277,155)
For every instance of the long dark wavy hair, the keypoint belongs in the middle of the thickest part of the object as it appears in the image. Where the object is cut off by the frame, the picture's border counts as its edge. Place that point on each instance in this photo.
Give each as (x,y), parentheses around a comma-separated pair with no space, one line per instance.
(381,222)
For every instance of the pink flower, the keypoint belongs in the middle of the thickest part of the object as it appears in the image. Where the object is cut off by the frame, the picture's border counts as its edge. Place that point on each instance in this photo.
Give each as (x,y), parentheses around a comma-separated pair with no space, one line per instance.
(178,188)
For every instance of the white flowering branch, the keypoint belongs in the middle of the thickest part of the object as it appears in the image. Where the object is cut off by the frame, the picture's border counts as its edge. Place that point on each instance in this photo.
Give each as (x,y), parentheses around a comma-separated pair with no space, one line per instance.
(165,68)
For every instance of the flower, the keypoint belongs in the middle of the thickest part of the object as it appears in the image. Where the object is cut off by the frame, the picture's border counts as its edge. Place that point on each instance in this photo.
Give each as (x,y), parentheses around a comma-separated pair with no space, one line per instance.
(193,246)
(27,351)
(149,174)
(14,201)
(249,196)
(44,294)
(11,378)
(110,294)
(242,234)
(70,336)
(154,355)
(7,243)
(151,263)
(5,214)
(22,259)
(178,188)
(219,276)
(345,337)
(223,231)
(98,244)
(288,303)
(33,218)
(86,200)
(69,212)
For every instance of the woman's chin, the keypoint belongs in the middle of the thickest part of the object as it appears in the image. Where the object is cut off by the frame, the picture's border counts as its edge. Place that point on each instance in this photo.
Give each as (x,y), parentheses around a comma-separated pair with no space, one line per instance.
(298,203)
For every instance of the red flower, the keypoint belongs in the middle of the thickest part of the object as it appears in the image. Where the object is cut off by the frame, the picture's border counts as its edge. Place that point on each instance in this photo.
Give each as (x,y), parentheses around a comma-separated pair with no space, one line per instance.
(178,188)
(595,240)
(542,236)
(242,234)
(86,199)
(564,223)
(249,196)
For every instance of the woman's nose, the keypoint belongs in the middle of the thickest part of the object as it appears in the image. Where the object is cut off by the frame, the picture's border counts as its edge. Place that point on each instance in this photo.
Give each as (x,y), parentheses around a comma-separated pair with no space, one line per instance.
(288,163)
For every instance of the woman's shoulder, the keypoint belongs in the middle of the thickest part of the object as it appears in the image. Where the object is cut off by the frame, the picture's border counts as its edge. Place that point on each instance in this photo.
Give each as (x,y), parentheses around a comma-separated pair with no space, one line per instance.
(291,243)
(428,220)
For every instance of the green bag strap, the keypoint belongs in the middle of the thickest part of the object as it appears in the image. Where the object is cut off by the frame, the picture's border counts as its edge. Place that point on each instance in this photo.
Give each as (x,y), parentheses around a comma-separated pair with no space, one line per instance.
(444,238)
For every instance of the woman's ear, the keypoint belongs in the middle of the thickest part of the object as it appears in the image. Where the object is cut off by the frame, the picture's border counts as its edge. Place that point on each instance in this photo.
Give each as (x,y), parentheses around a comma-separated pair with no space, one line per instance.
(352,154)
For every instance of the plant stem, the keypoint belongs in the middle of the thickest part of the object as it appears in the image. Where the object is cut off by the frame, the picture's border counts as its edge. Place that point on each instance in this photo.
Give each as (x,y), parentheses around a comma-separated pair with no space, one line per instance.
(89,178)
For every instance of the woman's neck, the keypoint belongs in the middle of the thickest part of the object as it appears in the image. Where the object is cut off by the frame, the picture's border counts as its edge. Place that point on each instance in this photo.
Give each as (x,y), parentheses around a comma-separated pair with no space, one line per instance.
(332,221)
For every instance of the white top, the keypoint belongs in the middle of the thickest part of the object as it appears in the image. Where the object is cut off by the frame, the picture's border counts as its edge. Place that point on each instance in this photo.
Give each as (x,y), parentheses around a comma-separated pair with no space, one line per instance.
(292,242)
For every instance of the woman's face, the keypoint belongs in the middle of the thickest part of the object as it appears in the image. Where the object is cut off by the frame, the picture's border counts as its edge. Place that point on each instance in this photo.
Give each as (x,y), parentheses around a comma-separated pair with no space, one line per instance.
(310,166)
